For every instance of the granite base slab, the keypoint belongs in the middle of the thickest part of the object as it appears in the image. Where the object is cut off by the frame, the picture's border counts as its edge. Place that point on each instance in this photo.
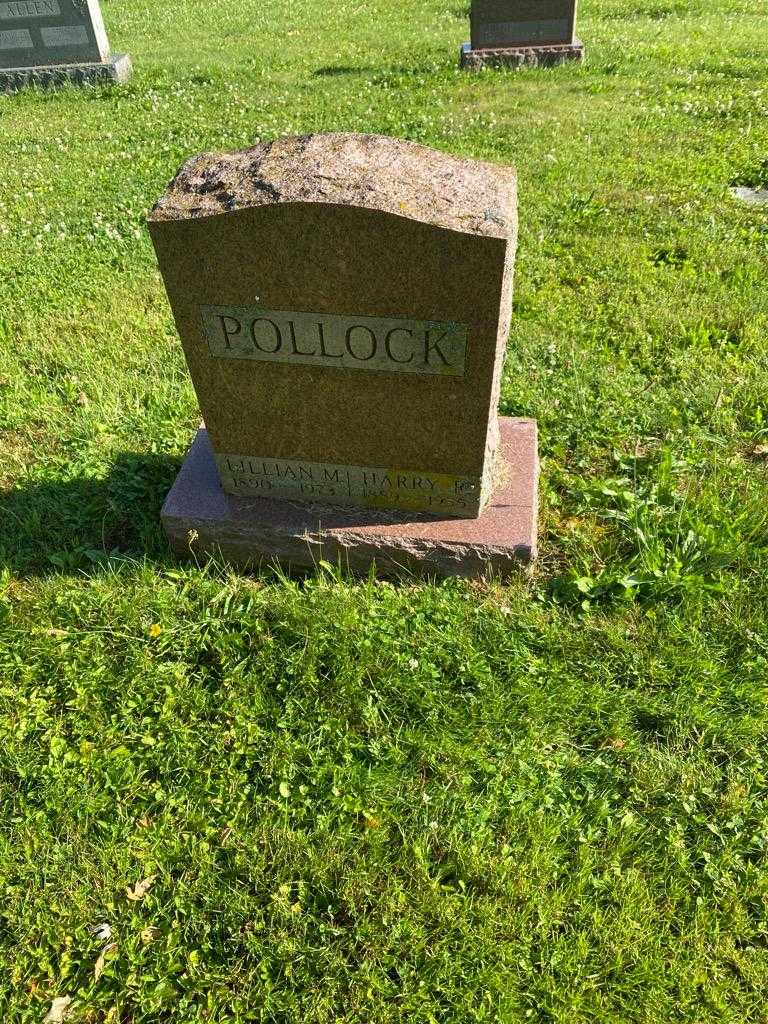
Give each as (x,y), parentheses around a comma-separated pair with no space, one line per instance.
(200,519)
(117,69)
(520,56)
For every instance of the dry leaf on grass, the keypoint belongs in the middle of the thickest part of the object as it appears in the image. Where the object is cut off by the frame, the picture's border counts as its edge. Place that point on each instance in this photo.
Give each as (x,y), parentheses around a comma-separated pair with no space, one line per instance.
(760,451)
(101,963)
(140,890)
(59,1010)
(150,934)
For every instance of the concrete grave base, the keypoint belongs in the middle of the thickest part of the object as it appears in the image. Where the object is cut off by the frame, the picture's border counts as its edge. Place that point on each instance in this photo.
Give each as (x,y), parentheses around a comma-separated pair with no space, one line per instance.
(201,519)
(117,69)
(520,56)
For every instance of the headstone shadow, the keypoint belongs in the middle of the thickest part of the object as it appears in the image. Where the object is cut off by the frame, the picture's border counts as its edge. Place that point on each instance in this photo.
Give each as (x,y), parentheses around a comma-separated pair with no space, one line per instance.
(78,523)
(337,72)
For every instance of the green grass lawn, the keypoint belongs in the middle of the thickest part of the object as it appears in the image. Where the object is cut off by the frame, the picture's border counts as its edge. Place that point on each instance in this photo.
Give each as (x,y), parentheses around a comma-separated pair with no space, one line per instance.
(356,801)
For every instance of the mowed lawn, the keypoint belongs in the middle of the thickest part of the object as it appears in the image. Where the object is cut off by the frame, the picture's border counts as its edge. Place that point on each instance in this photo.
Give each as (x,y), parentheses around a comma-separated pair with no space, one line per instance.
(331,800)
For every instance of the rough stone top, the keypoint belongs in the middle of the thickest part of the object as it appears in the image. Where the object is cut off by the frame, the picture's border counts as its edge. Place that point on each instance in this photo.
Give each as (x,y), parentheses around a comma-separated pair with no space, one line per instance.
(371,171)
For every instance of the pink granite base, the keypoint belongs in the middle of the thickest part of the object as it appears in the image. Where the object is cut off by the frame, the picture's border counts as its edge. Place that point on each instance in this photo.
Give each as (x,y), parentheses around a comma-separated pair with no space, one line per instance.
(520,56)
(200,519)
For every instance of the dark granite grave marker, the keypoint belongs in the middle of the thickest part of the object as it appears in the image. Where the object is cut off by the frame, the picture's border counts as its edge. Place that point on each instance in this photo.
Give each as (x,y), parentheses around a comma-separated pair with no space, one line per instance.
(44,42)
(514,33)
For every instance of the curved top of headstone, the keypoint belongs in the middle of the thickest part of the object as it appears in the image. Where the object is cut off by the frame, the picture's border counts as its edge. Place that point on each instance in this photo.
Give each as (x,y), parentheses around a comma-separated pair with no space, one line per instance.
(346,169)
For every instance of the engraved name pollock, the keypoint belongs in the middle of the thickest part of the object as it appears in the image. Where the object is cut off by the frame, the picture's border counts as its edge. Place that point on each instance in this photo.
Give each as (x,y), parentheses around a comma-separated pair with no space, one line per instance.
(249,475)
(346,342)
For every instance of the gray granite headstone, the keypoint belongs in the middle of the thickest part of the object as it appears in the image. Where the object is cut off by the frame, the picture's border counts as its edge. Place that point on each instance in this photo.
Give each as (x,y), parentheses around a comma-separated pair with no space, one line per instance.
(518,32)
(500,23)
(44,41)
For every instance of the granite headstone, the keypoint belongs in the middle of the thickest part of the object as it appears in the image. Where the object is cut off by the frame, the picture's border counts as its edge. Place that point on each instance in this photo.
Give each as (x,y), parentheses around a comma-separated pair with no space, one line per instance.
(344,303)
(48,41)
(520,32)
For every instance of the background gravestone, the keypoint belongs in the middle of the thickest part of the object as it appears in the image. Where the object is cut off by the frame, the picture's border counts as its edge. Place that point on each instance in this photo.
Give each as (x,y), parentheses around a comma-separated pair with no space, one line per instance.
(48,41)
(520,32)
(344,305)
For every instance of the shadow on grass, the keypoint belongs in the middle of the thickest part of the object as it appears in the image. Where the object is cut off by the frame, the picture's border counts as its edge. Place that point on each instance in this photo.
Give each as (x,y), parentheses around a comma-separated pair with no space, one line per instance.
(378,75)
(71,524)
(336,72)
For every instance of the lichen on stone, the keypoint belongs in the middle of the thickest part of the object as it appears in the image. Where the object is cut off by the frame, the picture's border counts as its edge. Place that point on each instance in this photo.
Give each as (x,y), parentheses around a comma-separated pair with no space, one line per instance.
(371,171)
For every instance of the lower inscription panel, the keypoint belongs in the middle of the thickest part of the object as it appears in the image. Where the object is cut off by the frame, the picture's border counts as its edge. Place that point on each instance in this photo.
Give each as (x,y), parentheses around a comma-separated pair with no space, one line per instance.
(520,33)
(409,490)
(16,39)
